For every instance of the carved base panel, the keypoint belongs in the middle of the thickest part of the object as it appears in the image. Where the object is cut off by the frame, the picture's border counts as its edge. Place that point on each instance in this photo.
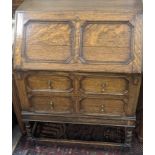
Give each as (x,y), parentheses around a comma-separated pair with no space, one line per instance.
(95,135)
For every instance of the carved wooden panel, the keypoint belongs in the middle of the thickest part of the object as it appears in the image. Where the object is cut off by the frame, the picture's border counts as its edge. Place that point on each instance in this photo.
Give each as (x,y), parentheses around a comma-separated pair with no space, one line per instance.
(111,51)
(49,82)
(48,41)
(55,104)
(107,42)
(94,84)
(105,106)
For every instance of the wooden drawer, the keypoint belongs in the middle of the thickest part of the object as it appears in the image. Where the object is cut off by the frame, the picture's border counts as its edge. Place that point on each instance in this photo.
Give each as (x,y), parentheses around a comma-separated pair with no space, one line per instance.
(55,104)
(89,86)
(49,82)
(114,85)
(102,106)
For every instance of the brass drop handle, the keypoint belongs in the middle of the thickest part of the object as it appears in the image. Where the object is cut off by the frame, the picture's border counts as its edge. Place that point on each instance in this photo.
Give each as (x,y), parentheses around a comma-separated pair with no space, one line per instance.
(51,105)
(103,86)
(49,84)
(102,108)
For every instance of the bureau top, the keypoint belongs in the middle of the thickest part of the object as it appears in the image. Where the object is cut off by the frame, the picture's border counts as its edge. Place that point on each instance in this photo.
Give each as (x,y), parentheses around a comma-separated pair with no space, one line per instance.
(82,5)
(79,35)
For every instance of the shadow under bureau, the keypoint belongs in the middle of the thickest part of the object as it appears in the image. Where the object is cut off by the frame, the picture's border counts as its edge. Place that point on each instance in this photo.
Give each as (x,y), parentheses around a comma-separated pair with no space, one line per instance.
(79,62)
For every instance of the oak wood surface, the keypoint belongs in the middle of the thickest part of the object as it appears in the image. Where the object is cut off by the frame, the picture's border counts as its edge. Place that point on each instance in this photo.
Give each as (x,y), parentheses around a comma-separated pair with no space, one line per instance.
(49,82)
(16,107)
(79,61)
(49,104)
(63,5)
(36,92)
(79,40)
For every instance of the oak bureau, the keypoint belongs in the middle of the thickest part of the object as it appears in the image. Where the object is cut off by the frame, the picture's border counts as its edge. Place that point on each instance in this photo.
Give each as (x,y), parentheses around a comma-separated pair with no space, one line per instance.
(79,62)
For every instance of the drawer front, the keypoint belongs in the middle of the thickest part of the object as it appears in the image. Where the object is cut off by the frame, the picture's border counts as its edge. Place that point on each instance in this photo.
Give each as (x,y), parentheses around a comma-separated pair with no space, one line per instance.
(104,85)
(56,104)
(49,82)
(101,106)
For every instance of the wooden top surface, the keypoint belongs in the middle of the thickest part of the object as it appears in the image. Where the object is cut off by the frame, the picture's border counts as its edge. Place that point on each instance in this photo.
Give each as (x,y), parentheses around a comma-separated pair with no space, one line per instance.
(82,5)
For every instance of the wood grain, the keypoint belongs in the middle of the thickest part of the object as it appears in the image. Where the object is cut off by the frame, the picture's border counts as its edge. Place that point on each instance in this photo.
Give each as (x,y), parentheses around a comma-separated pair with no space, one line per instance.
(107,42)
(47,104)
(79,62)
(49,82)
(120,91)
(101,106)
(119,58)
(48,41)
(104,85)
(98,5)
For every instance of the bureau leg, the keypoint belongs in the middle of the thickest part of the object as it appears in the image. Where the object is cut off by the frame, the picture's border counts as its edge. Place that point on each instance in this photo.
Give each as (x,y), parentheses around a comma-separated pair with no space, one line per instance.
(128,136)
(28,129)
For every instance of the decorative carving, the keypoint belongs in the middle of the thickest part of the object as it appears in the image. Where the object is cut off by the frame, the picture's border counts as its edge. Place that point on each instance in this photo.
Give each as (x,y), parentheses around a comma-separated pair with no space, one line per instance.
(28,129)
(128,136)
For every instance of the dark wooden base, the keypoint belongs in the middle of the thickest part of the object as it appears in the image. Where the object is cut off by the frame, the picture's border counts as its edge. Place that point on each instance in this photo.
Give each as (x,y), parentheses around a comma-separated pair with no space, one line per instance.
(81,143)
(31,129)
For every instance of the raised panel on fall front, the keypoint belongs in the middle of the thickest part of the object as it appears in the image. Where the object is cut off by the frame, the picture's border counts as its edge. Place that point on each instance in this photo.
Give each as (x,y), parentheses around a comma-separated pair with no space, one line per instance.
(48,41)
(107,43)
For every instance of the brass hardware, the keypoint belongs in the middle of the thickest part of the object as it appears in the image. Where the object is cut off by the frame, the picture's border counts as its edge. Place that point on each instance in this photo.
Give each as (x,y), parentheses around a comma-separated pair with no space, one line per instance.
(103,87)
(102,108)
(126,91)
(52,105)
(49,84)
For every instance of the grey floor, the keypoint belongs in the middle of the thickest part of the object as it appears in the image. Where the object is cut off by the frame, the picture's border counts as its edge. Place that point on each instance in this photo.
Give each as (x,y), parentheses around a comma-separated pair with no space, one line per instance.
(16,135)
